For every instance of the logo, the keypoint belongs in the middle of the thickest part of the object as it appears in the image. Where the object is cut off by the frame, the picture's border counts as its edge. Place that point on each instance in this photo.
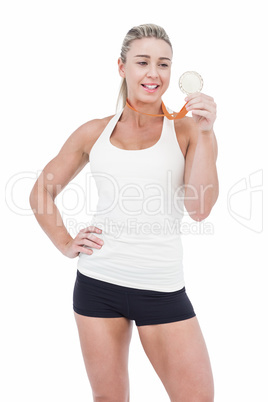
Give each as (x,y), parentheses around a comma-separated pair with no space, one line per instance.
(245,201)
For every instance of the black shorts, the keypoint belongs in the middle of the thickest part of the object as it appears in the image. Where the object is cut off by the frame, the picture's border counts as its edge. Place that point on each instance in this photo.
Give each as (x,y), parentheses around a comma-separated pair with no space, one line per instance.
(95,298)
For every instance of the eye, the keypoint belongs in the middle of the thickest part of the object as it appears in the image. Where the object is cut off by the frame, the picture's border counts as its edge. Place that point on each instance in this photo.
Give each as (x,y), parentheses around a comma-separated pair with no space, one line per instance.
(142,63)
(164,65)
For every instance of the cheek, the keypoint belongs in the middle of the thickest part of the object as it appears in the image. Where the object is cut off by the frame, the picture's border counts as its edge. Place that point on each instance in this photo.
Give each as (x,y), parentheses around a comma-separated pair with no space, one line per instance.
(134,76)
(166,78)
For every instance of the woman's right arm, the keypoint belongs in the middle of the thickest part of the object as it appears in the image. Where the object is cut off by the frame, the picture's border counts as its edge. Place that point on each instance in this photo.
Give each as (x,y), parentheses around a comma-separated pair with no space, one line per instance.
(71,159)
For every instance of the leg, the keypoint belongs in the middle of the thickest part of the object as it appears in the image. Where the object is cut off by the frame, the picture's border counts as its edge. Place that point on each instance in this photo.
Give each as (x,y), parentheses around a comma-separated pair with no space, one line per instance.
(179,356)
(105,347)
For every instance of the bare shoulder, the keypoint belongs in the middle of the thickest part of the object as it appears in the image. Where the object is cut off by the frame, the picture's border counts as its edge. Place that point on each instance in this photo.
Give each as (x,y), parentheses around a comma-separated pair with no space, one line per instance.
(186,132)
(72,157)
(87,134)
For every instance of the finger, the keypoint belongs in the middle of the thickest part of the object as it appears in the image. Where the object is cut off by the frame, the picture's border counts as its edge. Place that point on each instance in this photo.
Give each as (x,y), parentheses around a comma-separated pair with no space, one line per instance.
(90,243)
(91,237)
(201,98)
(200,106)
(203,113)
(82,237)
(94,229)
(192,96)
(198,94)
(84,250)
(91,229)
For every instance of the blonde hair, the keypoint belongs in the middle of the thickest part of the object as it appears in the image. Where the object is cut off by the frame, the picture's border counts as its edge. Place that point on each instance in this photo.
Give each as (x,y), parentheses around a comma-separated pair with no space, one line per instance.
(138,32)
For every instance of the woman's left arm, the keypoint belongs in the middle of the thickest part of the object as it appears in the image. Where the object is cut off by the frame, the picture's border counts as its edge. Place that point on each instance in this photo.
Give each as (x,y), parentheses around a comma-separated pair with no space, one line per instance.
(200,175)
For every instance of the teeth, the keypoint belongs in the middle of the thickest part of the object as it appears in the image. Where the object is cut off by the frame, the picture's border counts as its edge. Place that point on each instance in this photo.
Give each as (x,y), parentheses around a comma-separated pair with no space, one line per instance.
(151,86)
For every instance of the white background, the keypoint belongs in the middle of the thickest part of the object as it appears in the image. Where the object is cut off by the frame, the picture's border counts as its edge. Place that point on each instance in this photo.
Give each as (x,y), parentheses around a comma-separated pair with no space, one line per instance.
(59,70)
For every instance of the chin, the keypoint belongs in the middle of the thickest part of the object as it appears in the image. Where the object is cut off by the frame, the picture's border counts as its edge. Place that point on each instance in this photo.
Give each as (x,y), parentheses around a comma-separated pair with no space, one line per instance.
(150,98)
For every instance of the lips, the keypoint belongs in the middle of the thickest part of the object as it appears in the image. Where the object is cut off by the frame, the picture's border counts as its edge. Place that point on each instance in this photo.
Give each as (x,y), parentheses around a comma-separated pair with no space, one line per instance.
(150,87)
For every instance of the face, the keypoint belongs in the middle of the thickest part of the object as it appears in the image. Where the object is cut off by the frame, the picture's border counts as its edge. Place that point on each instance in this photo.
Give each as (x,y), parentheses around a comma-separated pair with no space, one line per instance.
(147,69)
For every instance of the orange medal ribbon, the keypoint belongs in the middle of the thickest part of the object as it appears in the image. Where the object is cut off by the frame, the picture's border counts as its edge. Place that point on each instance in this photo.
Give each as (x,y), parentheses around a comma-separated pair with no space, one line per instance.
(173,116)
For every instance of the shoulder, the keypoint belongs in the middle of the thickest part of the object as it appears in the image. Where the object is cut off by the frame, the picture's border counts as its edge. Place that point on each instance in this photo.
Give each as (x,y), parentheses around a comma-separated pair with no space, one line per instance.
(186,132)
(97,124)
(87,134)
(93,127)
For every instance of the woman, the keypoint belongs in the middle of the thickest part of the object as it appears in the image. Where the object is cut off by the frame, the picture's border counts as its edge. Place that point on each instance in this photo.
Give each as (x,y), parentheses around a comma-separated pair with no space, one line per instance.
(130,259)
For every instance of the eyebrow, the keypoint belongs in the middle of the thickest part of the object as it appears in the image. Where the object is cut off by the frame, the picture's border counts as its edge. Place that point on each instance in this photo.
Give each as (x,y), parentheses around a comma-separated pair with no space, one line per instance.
(148,57)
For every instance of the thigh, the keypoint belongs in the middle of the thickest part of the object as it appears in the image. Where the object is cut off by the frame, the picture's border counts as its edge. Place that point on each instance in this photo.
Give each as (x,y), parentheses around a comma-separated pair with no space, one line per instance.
(105,347)
(179,356)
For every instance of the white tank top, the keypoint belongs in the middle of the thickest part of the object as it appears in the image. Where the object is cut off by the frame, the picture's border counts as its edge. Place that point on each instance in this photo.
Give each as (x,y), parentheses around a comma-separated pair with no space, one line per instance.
(139,210)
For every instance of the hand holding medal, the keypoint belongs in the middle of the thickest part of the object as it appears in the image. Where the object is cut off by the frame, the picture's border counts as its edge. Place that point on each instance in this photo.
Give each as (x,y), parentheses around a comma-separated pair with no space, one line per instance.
(202,106)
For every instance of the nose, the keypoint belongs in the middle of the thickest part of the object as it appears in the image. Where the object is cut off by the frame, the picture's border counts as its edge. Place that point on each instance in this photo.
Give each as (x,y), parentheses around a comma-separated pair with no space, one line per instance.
(152,71)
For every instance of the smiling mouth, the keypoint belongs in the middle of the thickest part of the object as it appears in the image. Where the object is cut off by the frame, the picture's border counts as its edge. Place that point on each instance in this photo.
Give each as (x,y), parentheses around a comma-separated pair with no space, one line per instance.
(150,86)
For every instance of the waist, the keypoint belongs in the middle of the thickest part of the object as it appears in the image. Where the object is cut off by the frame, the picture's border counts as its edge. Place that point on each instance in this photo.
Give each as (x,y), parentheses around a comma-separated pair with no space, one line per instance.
(138,226)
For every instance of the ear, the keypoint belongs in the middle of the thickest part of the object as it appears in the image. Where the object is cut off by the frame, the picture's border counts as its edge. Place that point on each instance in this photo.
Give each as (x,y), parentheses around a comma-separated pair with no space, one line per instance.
(121,68)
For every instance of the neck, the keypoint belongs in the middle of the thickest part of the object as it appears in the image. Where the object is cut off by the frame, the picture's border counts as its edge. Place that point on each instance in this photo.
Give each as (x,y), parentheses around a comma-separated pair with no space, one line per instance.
(147,114)
(140,114)
(145,107)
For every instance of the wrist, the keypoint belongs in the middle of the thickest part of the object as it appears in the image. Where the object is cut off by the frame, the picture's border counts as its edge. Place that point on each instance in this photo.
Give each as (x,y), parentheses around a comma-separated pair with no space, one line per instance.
(210,131)
(62,246)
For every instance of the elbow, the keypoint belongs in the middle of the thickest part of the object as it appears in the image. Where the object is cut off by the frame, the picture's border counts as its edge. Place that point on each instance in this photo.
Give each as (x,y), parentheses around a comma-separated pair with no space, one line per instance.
(198,216)
(34,195)
(32,198)
(197,211)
